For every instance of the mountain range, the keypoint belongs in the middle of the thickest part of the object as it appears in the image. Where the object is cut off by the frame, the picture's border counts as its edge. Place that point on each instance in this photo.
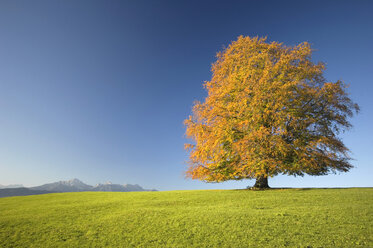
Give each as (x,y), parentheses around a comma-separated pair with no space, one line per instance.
(73,185)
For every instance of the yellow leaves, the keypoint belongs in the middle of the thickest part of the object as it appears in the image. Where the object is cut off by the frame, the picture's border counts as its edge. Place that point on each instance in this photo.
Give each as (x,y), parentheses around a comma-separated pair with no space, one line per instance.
(268,111)
(188,146)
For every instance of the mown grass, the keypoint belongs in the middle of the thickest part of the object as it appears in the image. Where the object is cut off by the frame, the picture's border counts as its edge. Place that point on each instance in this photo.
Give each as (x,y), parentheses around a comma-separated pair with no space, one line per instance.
(226,218)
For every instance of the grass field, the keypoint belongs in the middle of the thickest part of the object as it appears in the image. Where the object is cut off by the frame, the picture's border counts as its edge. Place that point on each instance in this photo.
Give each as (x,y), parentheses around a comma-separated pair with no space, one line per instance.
(226,218)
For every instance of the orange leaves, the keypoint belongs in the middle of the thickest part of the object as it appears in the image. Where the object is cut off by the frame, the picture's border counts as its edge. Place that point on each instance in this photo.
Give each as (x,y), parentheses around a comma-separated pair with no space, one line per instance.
(268,111)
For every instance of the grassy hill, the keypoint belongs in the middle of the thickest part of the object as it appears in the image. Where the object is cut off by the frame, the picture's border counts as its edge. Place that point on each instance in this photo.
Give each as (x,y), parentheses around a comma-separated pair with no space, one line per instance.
(225,218)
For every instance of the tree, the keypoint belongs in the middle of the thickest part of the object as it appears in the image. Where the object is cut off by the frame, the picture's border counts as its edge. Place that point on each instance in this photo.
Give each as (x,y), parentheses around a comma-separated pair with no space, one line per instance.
(269,111)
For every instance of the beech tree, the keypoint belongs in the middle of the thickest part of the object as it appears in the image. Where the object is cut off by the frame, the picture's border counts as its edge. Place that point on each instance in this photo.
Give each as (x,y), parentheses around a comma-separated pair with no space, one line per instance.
(268,111)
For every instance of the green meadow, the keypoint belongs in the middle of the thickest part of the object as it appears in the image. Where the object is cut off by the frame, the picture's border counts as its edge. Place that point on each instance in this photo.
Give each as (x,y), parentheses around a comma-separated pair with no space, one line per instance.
(209,218)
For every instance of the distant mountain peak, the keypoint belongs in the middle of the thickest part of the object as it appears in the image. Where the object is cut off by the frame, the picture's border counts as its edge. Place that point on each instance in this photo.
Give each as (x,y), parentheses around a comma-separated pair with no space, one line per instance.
(11,186)
(75,180)
(65,186)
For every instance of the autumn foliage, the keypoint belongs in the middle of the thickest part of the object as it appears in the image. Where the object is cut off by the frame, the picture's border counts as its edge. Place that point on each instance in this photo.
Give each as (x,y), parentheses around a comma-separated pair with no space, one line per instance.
(269,111)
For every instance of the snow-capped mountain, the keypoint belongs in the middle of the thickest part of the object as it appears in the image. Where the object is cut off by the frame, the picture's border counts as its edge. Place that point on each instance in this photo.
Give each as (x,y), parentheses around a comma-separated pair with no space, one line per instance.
(73,185)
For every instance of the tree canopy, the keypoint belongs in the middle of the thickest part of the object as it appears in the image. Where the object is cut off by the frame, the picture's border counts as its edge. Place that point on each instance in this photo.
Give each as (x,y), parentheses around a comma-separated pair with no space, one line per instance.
(269,111)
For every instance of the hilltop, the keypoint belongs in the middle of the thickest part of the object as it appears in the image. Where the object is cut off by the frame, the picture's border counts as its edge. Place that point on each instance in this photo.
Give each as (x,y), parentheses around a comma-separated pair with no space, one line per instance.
(214,218)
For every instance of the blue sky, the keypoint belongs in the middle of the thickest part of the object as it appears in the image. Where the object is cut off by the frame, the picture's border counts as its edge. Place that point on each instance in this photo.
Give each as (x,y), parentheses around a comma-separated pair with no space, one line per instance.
(98,90)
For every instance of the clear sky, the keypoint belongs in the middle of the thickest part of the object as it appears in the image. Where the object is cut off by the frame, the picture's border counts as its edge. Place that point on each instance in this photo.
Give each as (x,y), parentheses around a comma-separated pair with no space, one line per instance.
(98,90)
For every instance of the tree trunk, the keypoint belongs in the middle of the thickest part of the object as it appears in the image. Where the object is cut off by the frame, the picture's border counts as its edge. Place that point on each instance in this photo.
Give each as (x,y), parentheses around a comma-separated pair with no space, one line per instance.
(261,182)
